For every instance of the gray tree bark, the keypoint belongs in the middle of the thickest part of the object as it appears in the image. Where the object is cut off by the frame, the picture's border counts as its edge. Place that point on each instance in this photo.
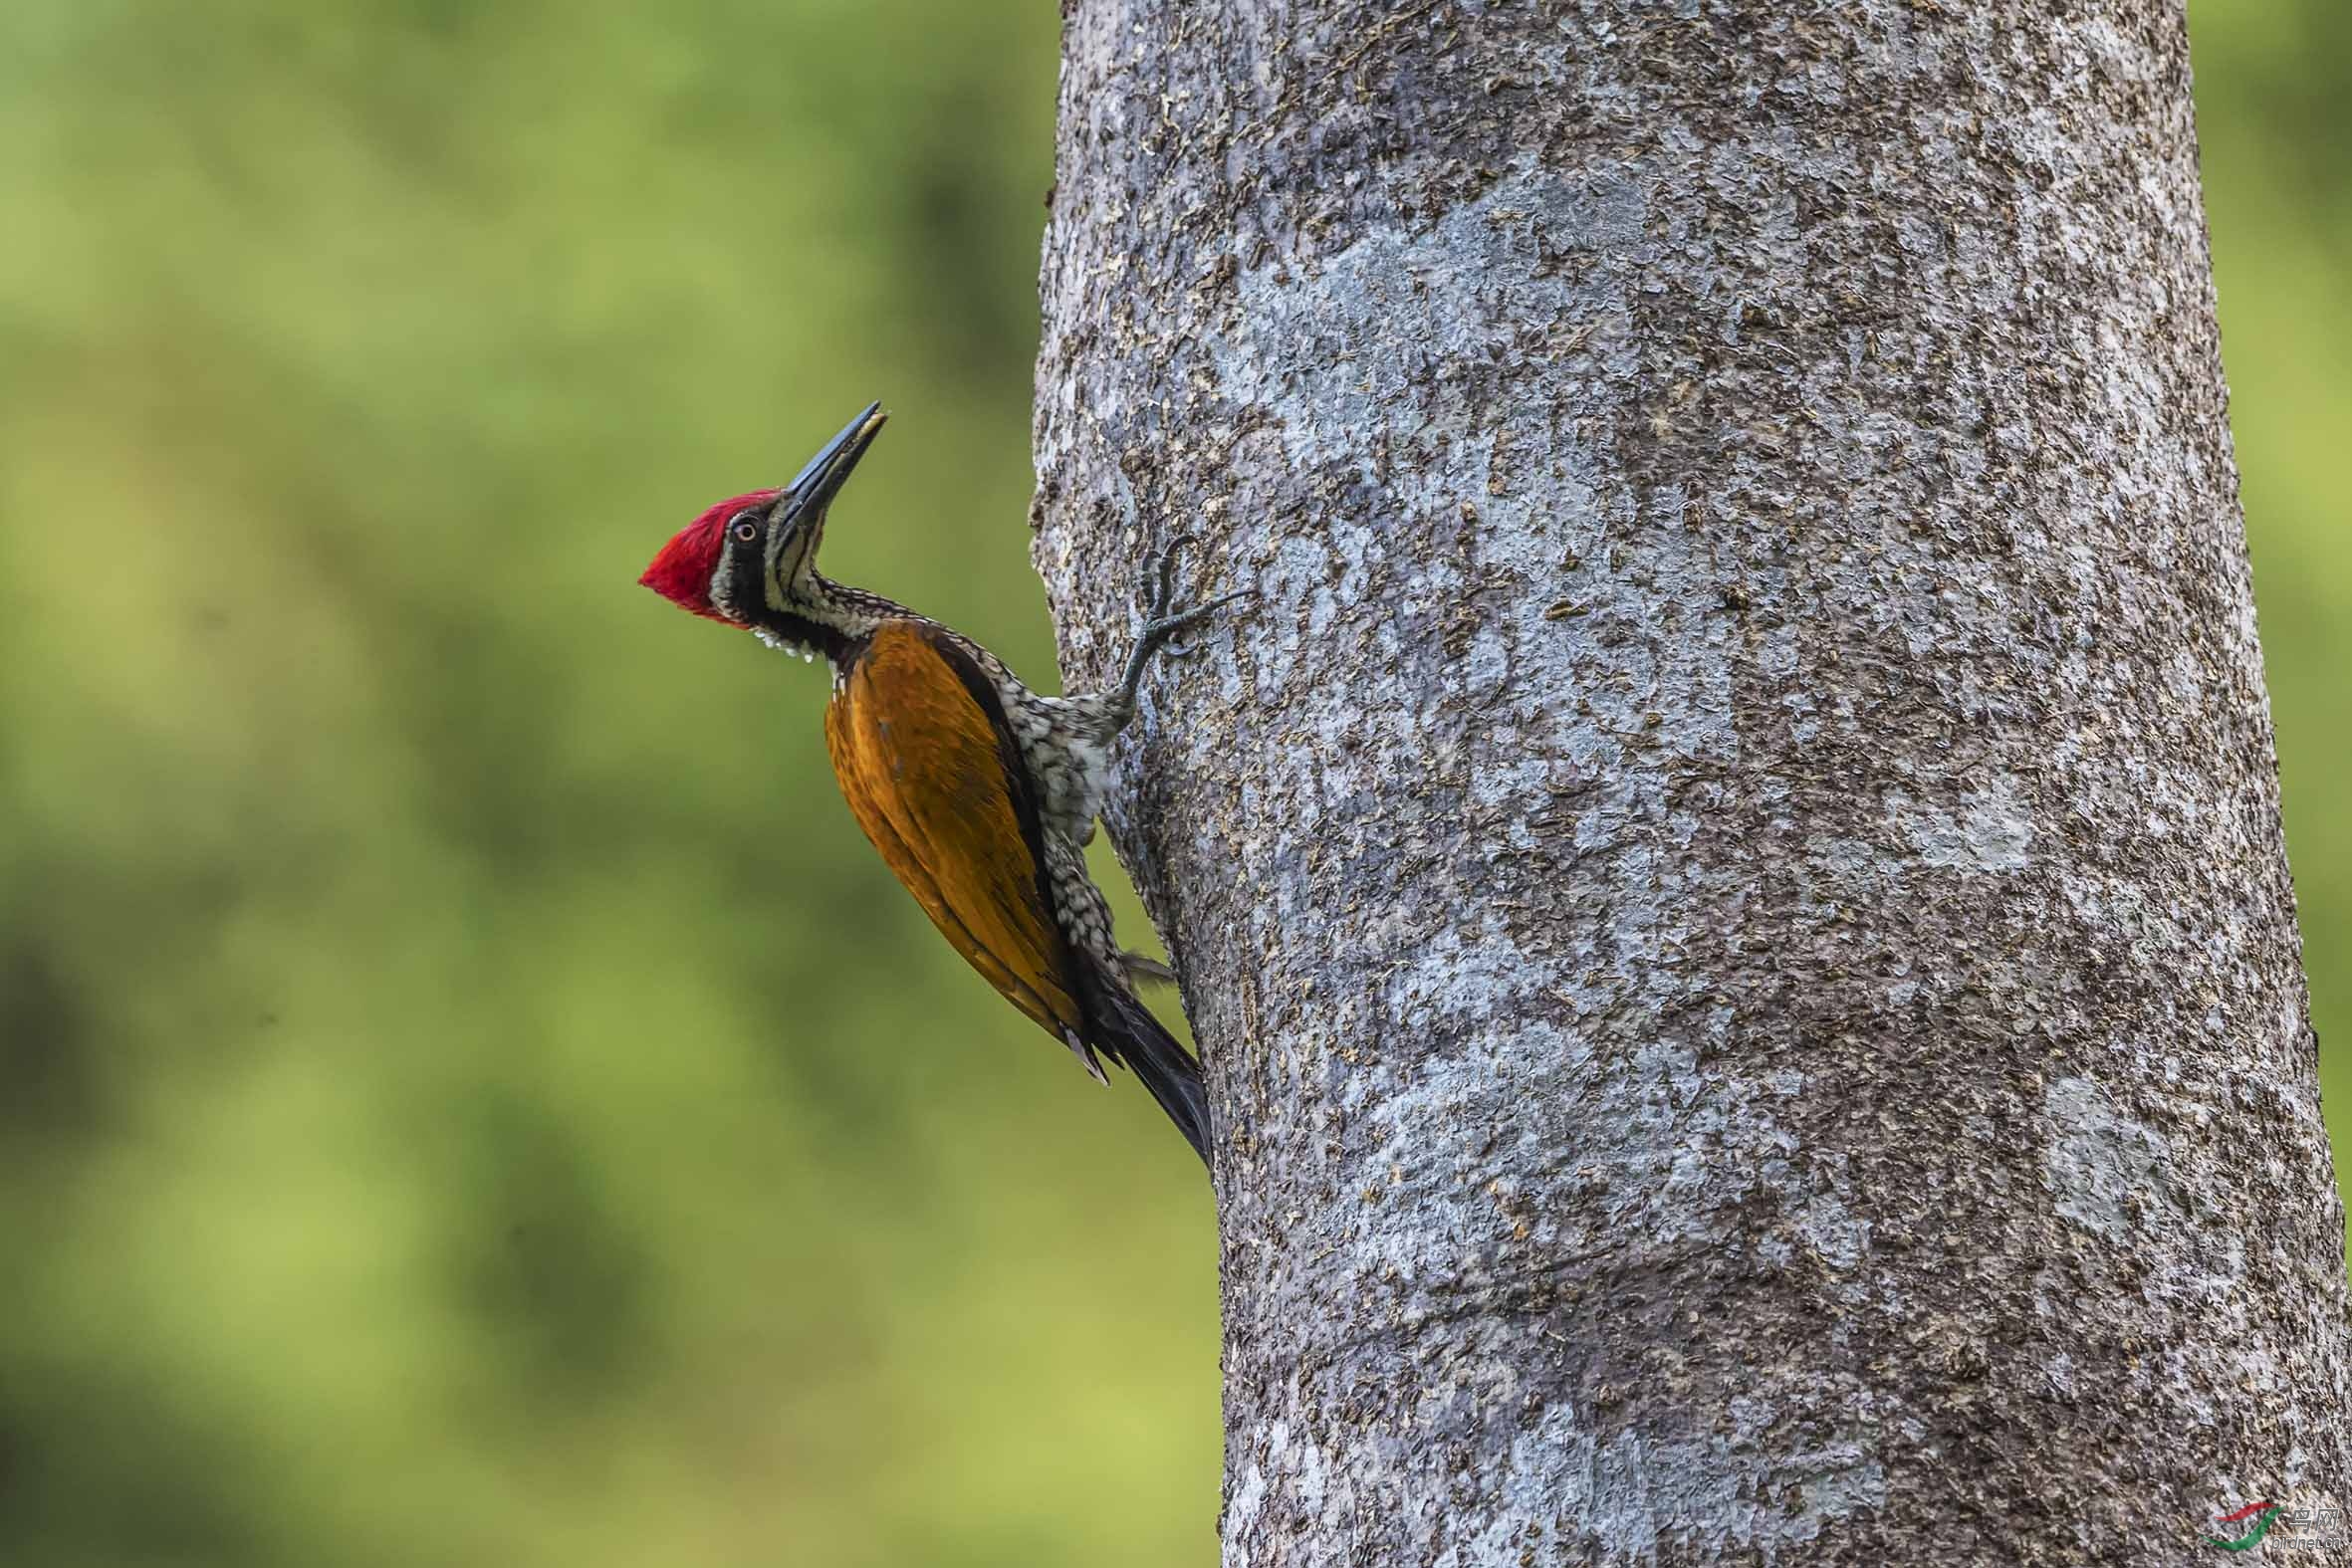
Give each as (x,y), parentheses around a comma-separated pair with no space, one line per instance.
(1731,882)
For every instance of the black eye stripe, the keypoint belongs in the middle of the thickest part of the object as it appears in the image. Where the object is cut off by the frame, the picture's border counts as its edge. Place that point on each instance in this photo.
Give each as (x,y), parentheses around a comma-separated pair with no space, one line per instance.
(742,589)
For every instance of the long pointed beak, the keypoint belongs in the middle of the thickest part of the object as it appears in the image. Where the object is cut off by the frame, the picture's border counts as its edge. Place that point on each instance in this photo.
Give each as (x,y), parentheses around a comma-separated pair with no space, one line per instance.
(816,483)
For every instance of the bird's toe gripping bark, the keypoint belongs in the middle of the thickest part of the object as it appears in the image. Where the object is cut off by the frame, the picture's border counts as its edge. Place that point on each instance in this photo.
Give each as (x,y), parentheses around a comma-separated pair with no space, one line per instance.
(1142,969)
(1162,620)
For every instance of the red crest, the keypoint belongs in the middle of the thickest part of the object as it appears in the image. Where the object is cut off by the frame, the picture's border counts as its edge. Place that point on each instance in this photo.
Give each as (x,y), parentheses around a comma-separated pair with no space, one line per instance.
(682,571)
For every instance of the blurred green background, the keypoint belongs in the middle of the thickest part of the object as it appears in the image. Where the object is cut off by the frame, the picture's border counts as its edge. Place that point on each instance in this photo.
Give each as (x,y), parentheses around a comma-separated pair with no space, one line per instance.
(420,1143)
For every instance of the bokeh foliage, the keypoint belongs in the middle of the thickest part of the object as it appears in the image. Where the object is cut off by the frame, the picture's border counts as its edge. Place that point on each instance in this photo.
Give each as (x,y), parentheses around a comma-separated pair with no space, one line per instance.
(467,1094)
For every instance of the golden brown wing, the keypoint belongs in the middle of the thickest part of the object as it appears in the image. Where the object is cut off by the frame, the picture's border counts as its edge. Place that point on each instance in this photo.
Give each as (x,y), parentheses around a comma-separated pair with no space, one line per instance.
(924,767)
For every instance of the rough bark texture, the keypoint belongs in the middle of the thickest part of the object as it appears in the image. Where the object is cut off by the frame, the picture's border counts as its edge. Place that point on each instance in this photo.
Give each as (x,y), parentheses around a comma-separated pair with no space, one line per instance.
(1731,882)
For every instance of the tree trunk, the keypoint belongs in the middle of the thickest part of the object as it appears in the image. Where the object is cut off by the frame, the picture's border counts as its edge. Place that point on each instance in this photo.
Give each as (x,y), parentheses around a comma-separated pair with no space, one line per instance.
(1729,881)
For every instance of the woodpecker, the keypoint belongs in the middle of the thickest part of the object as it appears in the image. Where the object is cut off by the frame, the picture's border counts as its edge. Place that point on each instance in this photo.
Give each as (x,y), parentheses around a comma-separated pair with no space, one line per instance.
(979,794)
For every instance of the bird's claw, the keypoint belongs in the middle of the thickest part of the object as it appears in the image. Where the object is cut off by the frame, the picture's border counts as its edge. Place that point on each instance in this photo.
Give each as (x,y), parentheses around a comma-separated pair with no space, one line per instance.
(1163,572)
(1164,627)
(1162,620)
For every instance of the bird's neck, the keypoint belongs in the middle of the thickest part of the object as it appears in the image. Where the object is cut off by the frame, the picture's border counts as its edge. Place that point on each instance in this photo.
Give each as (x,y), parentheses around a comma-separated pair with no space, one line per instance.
(821,616)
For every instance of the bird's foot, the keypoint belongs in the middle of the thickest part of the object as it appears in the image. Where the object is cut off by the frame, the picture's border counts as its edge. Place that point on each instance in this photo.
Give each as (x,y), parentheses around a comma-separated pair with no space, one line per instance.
(1143,969)
(1161,619)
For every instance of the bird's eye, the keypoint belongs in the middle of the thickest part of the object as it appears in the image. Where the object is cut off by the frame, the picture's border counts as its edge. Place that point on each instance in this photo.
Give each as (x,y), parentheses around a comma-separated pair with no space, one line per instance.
(746,528)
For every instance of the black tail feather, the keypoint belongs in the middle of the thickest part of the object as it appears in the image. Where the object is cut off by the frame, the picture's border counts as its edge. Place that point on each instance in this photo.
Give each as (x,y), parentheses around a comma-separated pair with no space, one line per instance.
(1129,1034)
